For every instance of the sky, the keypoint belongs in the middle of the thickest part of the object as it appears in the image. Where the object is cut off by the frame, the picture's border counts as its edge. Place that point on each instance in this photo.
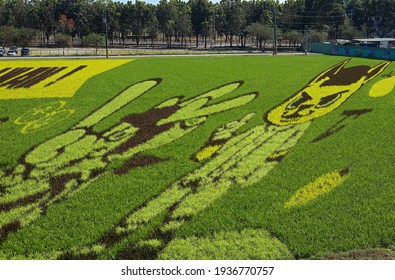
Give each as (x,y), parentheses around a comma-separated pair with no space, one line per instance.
(157,1)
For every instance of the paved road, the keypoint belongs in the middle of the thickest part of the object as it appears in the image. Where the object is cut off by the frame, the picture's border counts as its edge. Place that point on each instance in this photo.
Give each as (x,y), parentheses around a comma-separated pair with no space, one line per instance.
(151,55)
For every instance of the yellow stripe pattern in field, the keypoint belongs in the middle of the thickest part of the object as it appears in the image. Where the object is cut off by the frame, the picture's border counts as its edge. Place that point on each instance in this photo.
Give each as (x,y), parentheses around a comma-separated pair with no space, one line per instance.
(49,79)
(320,186)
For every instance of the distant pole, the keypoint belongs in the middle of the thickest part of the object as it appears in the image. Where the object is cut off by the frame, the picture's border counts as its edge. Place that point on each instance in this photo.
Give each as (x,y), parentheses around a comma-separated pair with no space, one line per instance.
(106,35)
(351,17)
(352,13)
(215,29)
(274,31)
(306,39)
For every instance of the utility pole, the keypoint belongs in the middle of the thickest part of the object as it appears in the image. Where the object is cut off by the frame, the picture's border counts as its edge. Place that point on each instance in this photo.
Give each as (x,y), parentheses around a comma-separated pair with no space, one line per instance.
(106,35)
(215,29)
(351,11)
(274,31)
(306,39)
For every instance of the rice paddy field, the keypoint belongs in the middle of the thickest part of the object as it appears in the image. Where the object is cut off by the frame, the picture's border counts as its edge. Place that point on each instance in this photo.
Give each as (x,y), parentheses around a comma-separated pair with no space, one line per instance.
(248,157)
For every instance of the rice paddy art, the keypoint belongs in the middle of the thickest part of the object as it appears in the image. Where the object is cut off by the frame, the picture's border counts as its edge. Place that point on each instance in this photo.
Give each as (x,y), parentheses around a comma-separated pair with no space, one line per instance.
(244,159)
(3,120)
(58,167)
(43,116)
(324,93)
(320,186)
(383,87)
(28,79)
(254,171)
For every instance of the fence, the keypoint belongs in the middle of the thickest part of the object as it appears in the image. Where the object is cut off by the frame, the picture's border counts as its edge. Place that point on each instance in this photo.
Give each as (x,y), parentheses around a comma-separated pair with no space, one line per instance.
(354,51)
(99,52)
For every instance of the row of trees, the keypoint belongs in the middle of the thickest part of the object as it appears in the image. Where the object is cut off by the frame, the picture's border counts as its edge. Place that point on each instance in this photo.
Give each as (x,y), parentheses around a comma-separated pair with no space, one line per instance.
(193,21)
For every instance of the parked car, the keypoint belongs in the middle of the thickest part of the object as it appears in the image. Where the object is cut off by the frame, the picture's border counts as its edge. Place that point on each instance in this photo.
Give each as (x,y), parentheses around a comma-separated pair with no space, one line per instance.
(1,51)
(11,53)
(25,51)
(13,48)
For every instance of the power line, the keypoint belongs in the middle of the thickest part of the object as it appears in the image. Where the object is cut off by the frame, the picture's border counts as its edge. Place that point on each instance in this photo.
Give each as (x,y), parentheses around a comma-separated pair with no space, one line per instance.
(318,16)
(310,23)
(315,12)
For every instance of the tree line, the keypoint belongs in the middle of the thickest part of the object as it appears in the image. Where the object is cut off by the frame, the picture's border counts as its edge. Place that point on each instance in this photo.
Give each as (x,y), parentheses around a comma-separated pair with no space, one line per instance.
(197,22)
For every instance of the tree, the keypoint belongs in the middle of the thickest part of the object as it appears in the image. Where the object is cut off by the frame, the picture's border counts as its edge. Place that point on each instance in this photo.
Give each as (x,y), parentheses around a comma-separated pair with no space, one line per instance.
(81,11)
(294,38)
(62,41)
(113,10)
(381,14)
(152,24)
(167,16)
(183,22)
(359,16)
(139,18)
(319,13)
(15,12)
(346,31)
(26,35)
(317,36)
(46,15)
(2,14)
(233,18)
(124,21)
(94,40)
(8,35)
(177,19)
(200,17)
(169,31)
(206,25)
(291,16)
(66,26)
(261,32)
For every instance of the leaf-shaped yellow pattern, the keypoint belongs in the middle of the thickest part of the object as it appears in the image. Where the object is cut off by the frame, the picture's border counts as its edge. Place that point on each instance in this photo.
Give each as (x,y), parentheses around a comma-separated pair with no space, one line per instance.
(320,186)
(382,87)
(207,152)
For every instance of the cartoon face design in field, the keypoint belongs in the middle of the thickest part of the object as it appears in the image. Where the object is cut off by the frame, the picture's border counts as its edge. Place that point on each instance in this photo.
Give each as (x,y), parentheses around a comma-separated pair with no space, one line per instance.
(57,168)
(323,94)
(232,157)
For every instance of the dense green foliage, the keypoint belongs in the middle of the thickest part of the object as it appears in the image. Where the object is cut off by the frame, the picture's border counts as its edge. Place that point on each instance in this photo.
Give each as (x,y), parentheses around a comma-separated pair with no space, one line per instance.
(178,20)
(233,197)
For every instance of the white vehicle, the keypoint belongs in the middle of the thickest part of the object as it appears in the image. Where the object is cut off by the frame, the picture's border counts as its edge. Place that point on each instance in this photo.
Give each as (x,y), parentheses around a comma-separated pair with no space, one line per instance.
(11,53)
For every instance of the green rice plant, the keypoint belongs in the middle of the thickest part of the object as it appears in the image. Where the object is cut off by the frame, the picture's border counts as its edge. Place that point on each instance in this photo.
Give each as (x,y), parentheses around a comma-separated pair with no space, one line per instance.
(248,244)
(184,154)
(117,103)
(154,208)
